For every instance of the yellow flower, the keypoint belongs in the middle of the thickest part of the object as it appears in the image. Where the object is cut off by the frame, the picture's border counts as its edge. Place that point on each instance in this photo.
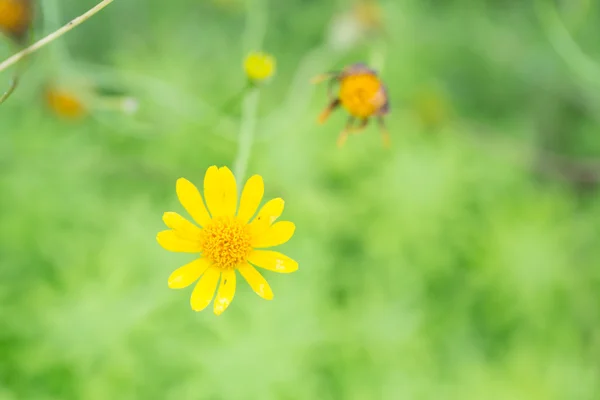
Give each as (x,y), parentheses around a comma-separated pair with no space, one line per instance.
(65,103)
(227,239)
(259,66)
(15,17)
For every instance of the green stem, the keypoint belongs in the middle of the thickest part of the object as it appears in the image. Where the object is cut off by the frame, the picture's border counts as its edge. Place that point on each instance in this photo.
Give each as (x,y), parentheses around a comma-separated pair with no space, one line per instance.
(53,36)
(248,126)
(234,100)
(14,82)
(254,34)
(377,56)
(52,17)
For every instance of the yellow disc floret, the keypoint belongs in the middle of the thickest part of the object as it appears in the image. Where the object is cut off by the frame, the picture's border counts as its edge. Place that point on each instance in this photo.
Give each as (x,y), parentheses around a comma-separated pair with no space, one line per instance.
(226,242)
(361,94)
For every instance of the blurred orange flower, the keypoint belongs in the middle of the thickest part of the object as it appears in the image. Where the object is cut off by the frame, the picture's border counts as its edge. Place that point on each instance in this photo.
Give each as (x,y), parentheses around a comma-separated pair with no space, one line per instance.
(65,103)
(362,93)
(16,17)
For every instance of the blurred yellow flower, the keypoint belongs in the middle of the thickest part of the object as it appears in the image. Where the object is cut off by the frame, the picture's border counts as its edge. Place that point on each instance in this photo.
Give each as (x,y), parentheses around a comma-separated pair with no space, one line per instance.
(259,66)
(228,239)
(65,103)
(16,17)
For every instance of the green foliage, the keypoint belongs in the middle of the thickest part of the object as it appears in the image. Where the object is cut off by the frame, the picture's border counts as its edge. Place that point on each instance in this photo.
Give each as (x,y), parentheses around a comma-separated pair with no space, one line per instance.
(448,267)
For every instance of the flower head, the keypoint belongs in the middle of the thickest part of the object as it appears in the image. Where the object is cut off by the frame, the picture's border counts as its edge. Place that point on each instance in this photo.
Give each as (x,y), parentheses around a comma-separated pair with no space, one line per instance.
(362,93)
(76,99)
(16,17)
(65,103)
(227,240)
(259,66)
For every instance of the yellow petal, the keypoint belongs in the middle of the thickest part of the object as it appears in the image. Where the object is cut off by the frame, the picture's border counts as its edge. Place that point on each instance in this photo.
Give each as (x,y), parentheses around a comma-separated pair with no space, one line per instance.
(205,289)
(266,216)
(184,276)
(183,227)
(273,261)
(229,191)
(277,234)
(256,281)
(191,200)
(251,197)
(171,241)
(220,191)
(226,291)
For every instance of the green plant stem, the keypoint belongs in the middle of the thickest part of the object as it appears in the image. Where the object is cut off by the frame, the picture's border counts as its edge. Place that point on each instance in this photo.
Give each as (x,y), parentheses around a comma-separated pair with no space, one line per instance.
(14,82)
(377,56)
(254,34)
(246,138)
(52,17)
(235,99)
(53,36)
(585,68)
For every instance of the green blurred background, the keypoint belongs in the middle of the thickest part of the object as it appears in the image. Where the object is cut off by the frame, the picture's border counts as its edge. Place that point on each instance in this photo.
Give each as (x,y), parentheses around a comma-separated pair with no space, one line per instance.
(463,263)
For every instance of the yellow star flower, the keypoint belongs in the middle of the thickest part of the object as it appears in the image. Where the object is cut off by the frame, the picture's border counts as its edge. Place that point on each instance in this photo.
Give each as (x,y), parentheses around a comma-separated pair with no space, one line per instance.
(228,239)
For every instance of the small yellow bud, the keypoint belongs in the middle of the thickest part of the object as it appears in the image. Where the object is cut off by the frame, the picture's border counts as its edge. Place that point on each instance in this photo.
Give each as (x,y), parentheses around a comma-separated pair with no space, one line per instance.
(259,66)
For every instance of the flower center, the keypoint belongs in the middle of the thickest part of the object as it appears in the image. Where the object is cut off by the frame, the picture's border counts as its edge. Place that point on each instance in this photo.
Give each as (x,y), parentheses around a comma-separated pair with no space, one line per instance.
(226,242)
(361,95)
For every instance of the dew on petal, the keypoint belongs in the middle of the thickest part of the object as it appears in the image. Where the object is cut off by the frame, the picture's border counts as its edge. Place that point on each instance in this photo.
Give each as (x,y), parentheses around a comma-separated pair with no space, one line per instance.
(279,265)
